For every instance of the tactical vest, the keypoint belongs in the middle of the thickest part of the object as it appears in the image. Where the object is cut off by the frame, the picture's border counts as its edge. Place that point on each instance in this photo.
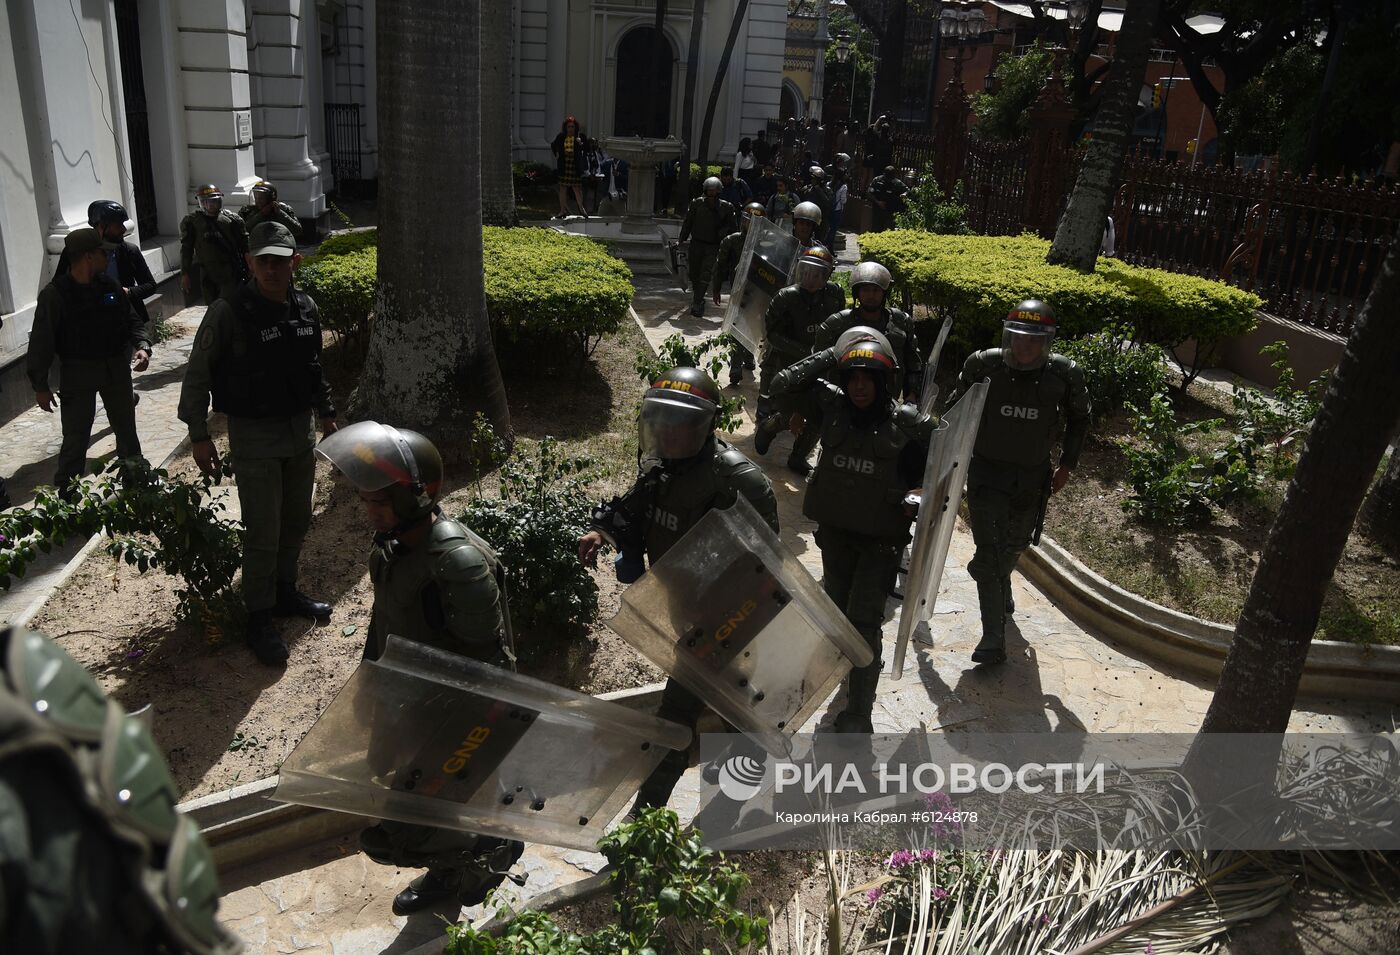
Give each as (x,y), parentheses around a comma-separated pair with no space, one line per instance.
(894,324)
(93,321)
(682,498)
(804,312)
(274,367)
(112,859)
(420,593)
(1022,415)
(856,486)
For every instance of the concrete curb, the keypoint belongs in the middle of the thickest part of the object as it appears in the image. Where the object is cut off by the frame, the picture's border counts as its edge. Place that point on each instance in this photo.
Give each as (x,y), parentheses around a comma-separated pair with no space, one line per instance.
(1336,670)
(243,824)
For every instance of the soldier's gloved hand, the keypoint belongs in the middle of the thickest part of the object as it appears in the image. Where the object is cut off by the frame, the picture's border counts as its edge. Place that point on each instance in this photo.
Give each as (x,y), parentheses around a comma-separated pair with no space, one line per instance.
(206,456)
(588,546)
(796,423)
(141,360)
(185,283)
(45,400)
(1060,479)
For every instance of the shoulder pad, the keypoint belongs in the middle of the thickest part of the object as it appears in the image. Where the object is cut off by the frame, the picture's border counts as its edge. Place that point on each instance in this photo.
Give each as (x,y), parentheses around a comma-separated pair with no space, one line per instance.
(984,361)
(455,555)
(1064,366)
(913,422)
(304,301)
(734,467)
(900,317)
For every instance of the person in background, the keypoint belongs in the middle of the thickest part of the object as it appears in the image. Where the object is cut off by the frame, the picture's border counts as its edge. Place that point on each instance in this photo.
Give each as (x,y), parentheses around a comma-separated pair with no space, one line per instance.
(746,163)
(765,185)
(840,192)
(782,202)
(762,150)
(736,192)
(569,147)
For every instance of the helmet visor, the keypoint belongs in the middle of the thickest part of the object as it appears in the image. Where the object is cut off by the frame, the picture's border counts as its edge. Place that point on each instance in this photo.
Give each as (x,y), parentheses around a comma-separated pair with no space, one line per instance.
(1025,346)
(674,425)
(811,275)
(370,455)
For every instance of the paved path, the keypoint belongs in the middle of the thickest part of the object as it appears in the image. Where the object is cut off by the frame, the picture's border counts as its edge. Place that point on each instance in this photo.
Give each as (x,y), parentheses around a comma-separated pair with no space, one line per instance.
(31,442)
(1058,678)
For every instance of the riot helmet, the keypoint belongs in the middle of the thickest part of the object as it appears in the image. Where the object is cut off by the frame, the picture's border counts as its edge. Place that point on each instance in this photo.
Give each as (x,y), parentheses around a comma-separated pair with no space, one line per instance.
(264,188)
(211,200)
(712,186)
(809,211)
(814,267)
(870,273)
(376,457)
(751,211)
(105,212)
(865,349)
(678,415)
(1026,335)
(816,174)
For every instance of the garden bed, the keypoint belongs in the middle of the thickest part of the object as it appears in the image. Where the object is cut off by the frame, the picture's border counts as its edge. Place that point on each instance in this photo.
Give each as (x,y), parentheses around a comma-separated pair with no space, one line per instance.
(223,719)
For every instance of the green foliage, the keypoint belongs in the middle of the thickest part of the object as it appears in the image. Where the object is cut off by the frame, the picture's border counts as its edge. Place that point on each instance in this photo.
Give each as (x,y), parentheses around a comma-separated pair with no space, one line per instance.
(1002,114)
(697,176)
(543,287)
(670,894)
(979,278)
(343,243)
(1269,431)
(1167,488)
(132,503)
(342,285)
(1117,371)
(709,355)
(529,175)
(928,209)
(533,522)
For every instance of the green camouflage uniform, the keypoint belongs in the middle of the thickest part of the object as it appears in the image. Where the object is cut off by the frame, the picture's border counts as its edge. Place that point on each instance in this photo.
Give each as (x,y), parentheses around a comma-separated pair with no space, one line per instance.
(1010,472)
(705,226)
(218,244)
(685,492)
(93,330)
(261,361)
(791,326)
(726,262)
(896,326)
(870,460)
(277,212)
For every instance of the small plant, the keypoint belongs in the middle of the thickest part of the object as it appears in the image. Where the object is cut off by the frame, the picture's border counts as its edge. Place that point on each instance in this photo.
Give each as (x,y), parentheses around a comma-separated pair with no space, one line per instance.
(1168,484)
(670,895)
(1270,430)
(929,210)
(1117,371)
(153,521)
(709,355)
(533,523)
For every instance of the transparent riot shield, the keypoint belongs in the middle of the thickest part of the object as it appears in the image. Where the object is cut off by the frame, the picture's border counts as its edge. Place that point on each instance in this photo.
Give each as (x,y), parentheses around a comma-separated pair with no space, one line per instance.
(929,396)
(430,737)
(765,266)
(732,615)
(945,476)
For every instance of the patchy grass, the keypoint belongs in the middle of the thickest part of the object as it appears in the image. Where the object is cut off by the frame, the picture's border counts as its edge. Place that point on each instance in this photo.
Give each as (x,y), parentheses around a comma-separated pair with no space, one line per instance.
(1206,570)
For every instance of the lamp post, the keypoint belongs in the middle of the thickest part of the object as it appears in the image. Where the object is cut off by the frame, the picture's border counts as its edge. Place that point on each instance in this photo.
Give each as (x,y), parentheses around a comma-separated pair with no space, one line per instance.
(1076,12)
(958,23)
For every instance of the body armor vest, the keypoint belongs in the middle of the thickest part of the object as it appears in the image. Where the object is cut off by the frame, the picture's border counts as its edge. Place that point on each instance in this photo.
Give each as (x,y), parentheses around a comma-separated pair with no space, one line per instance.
(802,313)
(895,325)
(1022,415)
(682,498)
(94,322)
(274,367)
(856,486)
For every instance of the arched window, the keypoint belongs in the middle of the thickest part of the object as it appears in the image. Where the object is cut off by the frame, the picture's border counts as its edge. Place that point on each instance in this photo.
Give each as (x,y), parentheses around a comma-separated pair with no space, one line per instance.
(645,63)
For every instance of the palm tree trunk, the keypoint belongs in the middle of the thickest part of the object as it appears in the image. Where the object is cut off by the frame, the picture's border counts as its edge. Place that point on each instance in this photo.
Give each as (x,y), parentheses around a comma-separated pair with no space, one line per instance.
(1081,228)
(739,12)
(431,362)
(1380,515)
(1260,680)
(497,62)
(697,24)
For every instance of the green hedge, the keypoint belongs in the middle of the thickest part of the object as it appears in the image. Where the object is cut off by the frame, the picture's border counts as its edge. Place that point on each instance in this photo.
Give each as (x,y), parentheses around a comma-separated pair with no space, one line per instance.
(540,284)
(979,278)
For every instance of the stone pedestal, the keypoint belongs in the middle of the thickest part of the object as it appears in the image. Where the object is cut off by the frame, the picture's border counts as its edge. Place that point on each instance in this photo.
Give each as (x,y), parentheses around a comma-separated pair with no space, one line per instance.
(641,156)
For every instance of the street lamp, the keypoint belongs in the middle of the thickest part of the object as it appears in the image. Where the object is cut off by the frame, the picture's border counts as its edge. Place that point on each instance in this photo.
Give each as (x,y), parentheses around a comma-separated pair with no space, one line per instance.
(959,22)
(843,47)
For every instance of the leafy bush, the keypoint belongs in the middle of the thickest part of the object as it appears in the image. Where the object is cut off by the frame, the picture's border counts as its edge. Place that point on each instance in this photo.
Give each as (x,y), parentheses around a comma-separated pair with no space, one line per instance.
(1117,372)
(534,522)
(979,278)
(709,355)
(131,502)
(697,176)
(1002,114)
(1167,484)
(1272,428)
(670,894)
(529,174)
(930,211)
(343,243)
(342,285)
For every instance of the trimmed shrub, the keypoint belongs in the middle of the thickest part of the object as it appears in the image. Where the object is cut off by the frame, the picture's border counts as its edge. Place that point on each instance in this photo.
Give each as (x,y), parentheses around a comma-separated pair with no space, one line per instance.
(343,243)
(1117,372)
(342,284)
(979,278)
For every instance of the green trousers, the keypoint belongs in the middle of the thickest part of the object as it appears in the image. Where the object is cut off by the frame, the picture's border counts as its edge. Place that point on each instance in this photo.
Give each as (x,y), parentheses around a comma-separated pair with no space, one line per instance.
(81,381)
(1003,502)
(275,495)
(700,262)
(857,574)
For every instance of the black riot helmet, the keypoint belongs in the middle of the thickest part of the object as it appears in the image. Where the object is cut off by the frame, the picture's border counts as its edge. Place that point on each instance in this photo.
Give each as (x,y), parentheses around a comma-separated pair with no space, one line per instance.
(678,415)
(1026,335)
(105,212)
(869,350)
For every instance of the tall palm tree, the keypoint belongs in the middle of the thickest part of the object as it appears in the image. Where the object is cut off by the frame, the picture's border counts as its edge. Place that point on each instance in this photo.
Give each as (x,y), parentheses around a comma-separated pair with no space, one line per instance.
(740,10)
(431,361)
(1081,228)
(497,67)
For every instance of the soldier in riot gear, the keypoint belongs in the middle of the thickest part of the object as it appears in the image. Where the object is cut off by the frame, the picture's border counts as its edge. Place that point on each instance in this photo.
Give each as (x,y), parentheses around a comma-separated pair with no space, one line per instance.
(707,221)
(821,194)
(437,583)
(258,354)
(85,319)
(93,855)
(873,453)
(266,208)
(216,239)
(685,471)
(125,263)
(726,261)
(1010,479)
(790,326)
(807,223)
(870,287)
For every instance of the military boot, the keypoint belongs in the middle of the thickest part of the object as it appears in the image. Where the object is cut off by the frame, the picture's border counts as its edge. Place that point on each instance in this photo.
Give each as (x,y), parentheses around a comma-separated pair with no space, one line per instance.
(1010,599)
(489,869)
(293,603)
(860,701)
(264,640)
(769,427)
(428,890)
(992,650)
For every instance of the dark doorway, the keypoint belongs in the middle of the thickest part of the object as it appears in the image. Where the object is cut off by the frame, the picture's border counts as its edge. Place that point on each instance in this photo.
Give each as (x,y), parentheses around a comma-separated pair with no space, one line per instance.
(138,128)
(789,105)
(643,102)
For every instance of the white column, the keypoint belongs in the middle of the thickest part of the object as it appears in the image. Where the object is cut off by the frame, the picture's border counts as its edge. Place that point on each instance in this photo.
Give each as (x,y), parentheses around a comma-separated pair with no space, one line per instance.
(819,59)
(165,111)
(369,114)
(556,66)
(282,108)
(218,106)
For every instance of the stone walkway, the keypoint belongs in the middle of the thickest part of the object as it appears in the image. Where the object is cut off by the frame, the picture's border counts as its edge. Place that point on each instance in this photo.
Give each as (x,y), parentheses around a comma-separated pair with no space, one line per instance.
(330,899)
(31,441)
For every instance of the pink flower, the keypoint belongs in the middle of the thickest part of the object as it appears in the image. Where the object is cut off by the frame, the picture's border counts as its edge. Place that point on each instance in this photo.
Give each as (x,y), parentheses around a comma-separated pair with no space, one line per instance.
(899,858)
(939,894)
(874,894)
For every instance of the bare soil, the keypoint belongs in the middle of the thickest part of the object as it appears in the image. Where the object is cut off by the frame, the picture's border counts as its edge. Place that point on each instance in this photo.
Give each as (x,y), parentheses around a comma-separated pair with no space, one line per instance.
(223,719)
(1206,570)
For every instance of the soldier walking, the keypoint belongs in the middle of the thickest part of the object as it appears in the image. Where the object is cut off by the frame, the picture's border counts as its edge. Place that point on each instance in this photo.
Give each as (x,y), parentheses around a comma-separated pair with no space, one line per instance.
(216,239)
(258,354)
(870,287)
(708,219)
(726,262)
(1010,478)
(266,208)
